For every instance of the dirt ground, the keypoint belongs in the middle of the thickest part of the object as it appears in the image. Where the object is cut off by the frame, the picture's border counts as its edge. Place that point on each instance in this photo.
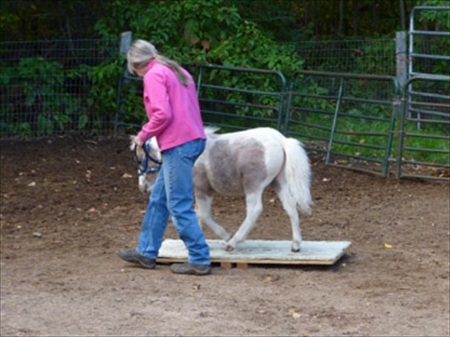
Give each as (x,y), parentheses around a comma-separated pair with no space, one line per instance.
(68,205)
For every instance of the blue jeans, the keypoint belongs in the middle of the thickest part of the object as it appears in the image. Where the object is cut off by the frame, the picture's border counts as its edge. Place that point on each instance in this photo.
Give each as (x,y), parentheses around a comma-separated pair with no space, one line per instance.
(173,195)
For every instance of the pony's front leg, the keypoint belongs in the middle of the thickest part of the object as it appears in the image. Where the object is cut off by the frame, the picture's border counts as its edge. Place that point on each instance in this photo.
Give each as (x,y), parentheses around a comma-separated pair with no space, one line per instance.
(254,209)
(203,209)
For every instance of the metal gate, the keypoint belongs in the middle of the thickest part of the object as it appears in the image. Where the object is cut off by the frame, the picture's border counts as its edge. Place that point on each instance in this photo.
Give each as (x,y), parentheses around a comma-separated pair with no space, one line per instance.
(424,143)
(349,118)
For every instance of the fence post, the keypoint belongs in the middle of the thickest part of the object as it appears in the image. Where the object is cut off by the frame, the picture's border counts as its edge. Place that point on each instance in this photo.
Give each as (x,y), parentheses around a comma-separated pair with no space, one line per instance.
(401,58)
(125,42)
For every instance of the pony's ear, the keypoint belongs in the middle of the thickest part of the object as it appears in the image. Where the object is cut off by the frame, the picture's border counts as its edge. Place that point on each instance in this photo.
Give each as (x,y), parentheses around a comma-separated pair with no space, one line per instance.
(132,144)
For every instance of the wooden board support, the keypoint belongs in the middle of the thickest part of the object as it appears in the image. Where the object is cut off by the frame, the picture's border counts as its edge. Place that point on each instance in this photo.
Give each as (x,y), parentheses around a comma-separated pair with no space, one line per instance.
(260,252)
(229,265)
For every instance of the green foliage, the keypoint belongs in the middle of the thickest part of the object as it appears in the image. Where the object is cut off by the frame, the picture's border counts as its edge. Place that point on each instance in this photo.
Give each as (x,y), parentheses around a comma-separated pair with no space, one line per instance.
(36,84)
(280,20)
(205,31)
(102,100)
(434,20)
(132,111)
(37,97)
(422,143)
(25,20)
(439,18)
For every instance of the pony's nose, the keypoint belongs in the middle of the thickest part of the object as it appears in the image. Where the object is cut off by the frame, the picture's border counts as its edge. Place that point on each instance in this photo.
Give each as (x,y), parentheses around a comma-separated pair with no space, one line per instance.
(148,188)
(145,187)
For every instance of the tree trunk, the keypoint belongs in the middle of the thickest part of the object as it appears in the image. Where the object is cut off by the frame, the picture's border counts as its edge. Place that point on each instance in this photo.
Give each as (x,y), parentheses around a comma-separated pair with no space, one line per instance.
(376,16)
(355,17)
(314,17)
(305,13)
(340,30)
(402,14)
(427,47)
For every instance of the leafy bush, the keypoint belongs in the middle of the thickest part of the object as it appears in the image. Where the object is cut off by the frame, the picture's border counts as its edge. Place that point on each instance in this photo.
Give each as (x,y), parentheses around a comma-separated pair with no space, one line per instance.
(204,32)
(36,96)
(39,97)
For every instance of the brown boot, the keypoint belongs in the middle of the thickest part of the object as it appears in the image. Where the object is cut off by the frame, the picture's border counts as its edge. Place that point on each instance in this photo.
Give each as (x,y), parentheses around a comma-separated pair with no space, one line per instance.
(134,257)
(190,269)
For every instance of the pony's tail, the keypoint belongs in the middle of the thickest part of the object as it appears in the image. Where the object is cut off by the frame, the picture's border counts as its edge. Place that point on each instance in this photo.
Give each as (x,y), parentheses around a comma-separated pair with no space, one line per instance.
(298,174)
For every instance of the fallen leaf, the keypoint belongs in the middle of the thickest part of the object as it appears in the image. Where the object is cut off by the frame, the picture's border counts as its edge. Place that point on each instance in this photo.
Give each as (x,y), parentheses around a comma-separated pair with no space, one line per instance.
(294,314)
(271,278)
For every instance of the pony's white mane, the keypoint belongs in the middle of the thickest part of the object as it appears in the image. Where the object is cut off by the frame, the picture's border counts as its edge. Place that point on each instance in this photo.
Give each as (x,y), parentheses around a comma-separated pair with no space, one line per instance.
(211,130)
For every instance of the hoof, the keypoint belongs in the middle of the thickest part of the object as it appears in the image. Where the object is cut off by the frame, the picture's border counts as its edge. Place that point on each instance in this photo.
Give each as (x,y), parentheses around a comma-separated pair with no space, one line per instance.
(229,248)
(295,248)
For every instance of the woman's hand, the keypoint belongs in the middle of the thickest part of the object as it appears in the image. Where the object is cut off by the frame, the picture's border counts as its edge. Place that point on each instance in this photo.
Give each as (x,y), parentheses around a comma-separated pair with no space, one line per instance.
(138,141)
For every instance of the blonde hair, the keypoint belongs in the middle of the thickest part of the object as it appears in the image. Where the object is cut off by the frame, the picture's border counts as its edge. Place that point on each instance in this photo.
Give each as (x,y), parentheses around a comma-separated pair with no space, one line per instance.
(142,52)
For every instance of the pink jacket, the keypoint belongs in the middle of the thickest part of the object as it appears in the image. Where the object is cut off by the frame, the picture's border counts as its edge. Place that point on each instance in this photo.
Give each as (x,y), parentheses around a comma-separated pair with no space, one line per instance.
(173,110)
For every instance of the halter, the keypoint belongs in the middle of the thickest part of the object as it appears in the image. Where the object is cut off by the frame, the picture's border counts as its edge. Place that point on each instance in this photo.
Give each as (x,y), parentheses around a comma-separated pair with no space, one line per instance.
(142,166)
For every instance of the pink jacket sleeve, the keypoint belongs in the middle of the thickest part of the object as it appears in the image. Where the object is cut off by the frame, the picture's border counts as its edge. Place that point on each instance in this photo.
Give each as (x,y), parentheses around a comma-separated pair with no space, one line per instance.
(157,106)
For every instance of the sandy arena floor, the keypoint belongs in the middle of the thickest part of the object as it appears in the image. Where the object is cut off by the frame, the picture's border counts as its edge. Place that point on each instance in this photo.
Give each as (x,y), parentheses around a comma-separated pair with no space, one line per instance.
(67,206)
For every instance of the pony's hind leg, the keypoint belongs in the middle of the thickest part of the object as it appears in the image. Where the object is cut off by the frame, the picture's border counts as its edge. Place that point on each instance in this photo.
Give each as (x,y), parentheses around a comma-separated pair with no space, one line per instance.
(203,209)
(254,209)
(289,205)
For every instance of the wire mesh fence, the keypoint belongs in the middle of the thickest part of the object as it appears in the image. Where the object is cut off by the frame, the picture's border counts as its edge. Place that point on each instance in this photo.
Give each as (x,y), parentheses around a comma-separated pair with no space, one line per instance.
(48,88)
(51,88)
(375,56)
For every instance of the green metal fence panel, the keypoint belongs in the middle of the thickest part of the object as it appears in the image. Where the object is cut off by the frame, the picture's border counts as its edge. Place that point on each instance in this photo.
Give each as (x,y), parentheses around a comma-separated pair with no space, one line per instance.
(424,144)
(429,56)
(428,48)
(230,97)
(239,98)
(349,118)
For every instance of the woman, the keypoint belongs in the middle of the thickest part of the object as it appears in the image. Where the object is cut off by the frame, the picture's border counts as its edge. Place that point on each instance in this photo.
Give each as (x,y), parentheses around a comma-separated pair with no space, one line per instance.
(173,111)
